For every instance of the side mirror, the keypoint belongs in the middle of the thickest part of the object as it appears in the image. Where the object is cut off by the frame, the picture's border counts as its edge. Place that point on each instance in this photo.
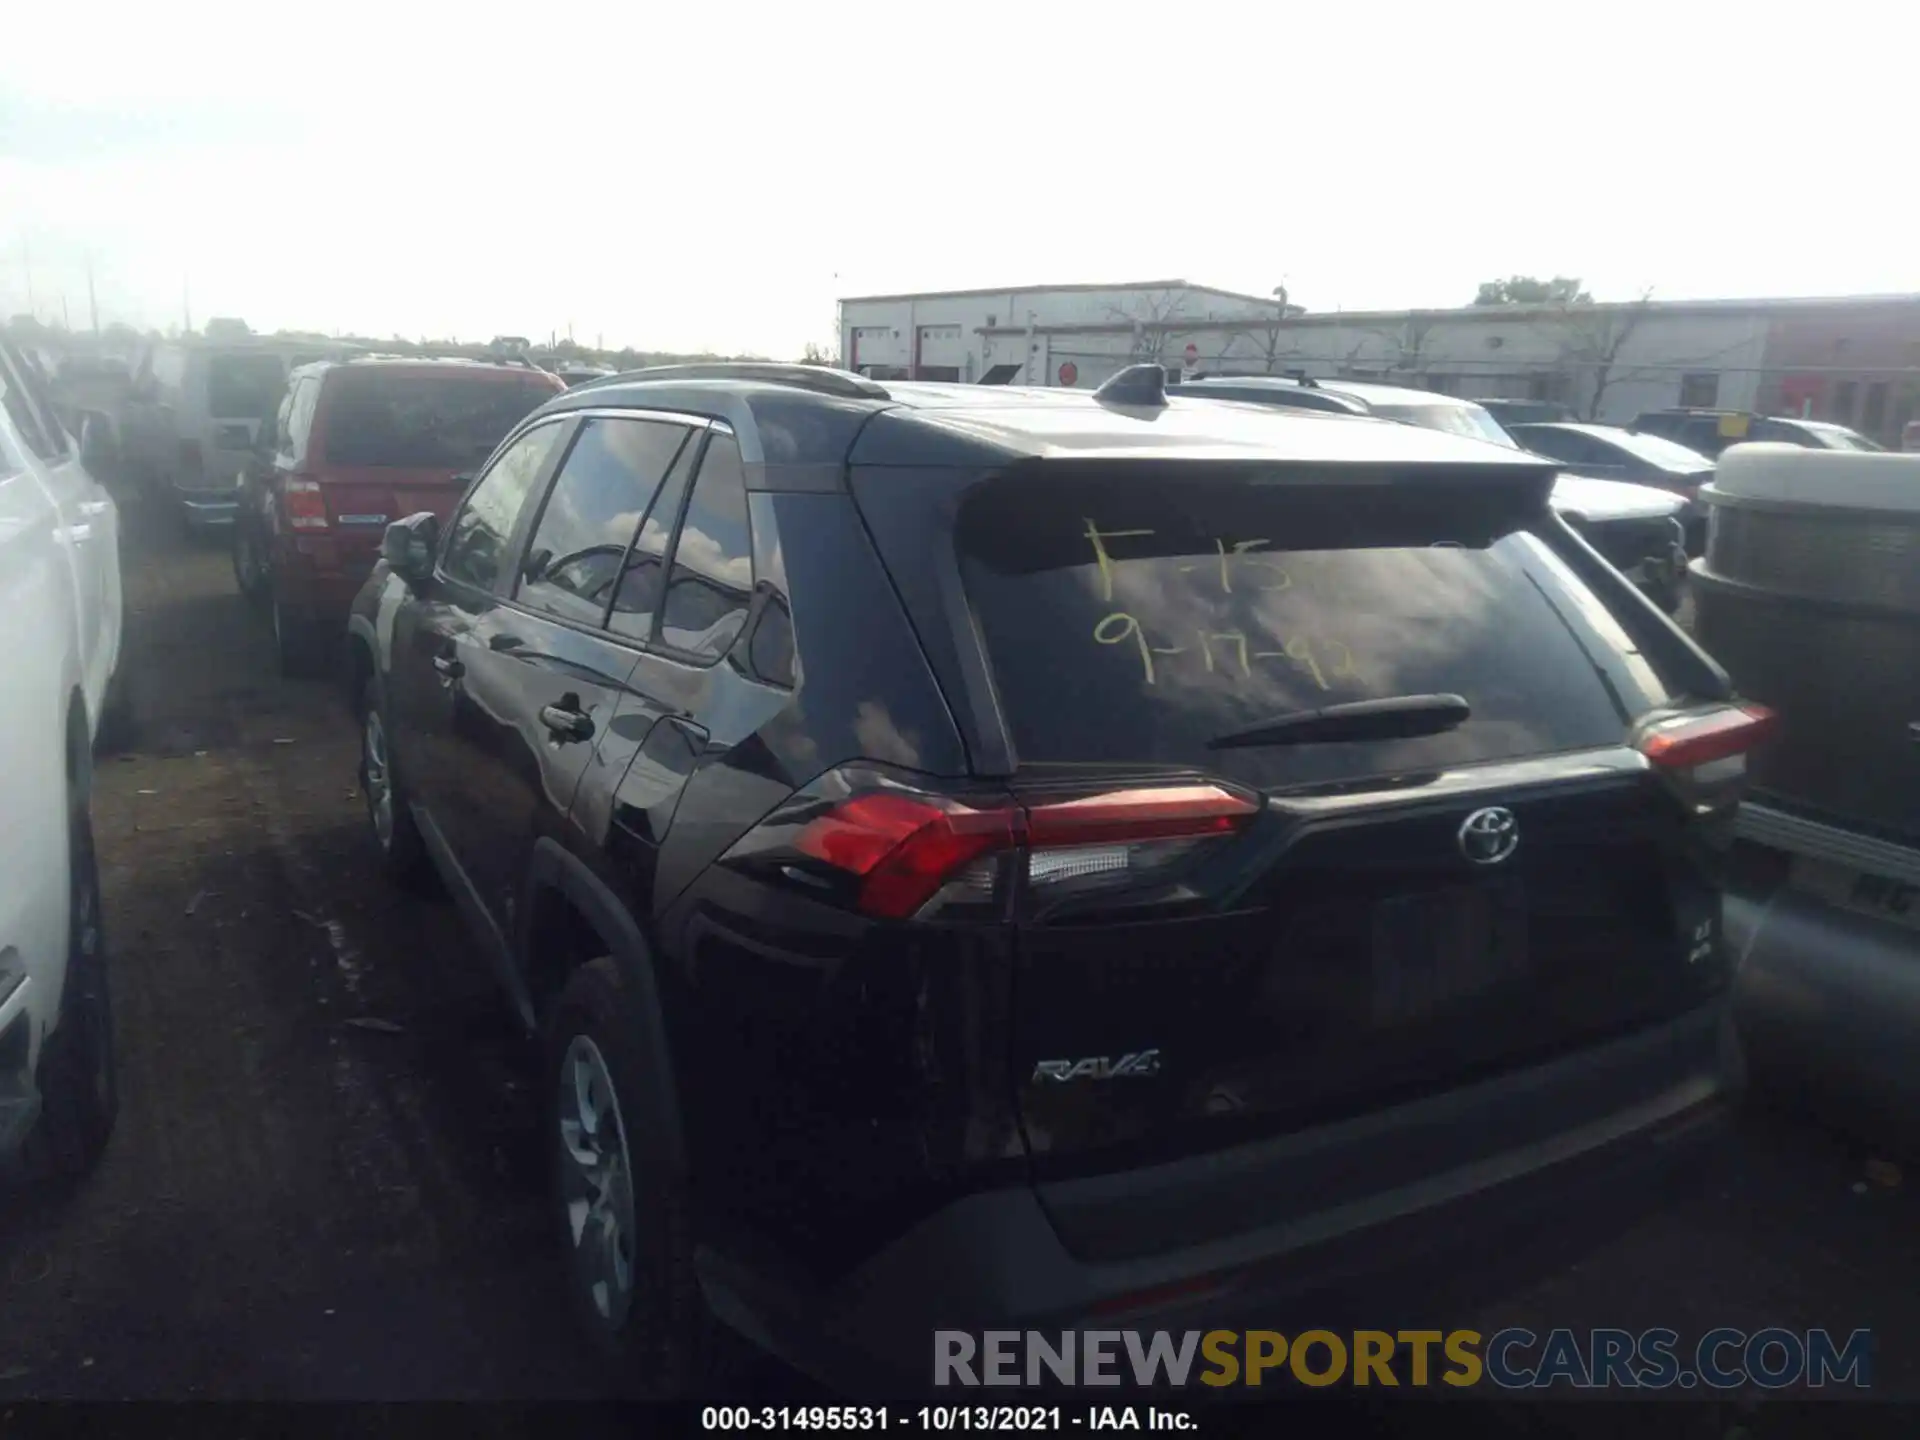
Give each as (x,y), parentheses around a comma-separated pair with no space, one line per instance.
(409,546)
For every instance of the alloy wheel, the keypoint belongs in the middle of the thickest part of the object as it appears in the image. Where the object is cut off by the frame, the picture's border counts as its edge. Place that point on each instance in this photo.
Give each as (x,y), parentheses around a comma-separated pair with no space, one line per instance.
(377,777)
(596,1183)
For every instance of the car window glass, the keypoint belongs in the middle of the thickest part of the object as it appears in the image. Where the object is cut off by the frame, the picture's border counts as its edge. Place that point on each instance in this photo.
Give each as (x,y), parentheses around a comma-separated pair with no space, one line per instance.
(1660,452)
(1561,445)
(300,418)
(477,539)
(244,385)
(29,407)
(592,513)
(389,417)
(273,436)
(711,584)
(637,602)
(1132,622)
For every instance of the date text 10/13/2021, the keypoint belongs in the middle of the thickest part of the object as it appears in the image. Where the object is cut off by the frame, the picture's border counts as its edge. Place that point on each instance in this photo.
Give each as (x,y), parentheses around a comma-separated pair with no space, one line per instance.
(944,1419)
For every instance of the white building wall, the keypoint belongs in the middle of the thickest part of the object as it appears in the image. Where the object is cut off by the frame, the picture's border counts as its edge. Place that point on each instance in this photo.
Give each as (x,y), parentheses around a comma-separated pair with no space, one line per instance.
(1463,352)
(882,332)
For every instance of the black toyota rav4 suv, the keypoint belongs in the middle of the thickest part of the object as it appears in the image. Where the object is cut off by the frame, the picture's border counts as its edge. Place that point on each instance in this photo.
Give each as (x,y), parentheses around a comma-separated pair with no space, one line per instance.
(987,857)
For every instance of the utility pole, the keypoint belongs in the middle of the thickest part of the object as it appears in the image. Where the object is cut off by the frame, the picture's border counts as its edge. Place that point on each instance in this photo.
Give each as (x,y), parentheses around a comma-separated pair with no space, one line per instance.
(186,306)
(93,304)
(65,323)
(26,263)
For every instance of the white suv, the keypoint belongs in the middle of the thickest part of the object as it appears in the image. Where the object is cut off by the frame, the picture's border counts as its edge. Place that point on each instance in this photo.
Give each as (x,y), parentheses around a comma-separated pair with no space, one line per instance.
(60,594)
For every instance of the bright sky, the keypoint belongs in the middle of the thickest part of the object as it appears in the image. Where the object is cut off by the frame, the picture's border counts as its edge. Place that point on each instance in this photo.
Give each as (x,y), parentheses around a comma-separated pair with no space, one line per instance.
(715,177)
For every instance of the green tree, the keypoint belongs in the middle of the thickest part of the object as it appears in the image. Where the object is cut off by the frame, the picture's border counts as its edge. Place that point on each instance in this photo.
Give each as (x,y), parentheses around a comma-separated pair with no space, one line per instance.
(1525,290)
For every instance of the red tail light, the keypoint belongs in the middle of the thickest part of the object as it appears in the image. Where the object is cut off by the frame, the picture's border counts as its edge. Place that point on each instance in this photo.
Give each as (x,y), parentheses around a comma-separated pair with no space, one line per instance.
(189,454)
(905,848)
(302,504)
(1696,740)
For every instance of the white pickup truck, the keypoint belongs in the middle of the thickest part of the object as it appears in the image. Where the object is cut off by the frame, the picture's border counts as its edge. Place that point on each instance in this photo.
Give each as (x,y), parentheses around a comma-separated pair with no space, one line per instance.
(60,596)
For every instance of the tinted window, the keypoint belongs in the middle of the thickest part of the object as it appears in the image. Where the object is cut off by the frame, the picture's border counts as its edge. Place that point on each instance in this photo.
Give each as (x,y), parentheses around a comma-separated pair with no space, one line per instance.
(274,438)
(306,394)
(380,418)
(712,579)
(1130,621)
(1469,420)
(1782,432)
(244,387)
(477,539)
(1567,445)
(20,410)
(1663,453)
(592,512)
(638,602)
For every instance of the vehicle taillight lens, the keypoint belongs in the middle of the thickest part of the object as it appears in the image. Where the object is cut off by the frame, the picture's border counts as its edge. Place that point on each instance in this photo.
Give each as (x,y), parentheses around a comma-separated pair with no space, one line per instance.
(903,847)
(189,454)
(1708,751)
(910,851)
(304,507)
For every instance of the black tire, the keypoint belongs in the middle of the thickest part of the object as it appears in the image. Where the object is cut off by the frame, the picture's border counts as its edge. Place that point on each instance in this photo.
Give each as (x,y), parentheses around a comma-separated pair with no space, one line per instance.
(296,642)
(116,730)
(659,1342)
(397,844)
(249,572)
(78,1077)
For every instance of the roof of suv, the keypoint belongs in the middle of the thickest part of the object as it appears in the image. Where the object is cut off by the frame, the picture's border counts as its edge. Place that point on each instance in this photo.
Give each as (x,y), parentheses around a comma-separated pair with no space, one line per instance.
(433,364)
(809,415)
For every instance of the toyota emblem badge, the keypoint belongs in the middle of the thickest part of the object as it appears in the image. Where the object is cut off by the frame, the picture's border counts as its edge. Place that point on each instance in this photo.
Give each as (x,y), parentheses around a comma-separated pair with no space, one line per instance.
(1489,836)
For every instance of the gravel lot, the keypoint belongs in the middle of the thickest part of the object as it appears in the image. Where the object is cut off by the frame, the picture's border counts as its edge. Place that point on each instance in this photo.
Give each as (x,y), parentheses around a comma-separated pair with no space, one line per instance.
(324,1184)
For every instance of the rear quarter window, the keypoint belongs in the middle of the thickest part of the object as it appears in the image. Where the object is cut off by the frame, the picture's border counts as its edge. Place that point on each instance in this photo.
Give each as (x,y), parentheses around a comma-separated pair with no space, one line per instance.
(1130,622)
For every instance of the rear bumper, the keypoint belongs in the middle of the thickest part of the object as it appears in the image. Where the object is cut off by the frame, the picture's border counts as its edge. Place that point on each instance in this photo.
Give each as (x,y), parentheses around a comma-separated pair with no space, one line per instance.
(316,578)
(1828,1000)
(208,507)
(997,1261)
(318,599)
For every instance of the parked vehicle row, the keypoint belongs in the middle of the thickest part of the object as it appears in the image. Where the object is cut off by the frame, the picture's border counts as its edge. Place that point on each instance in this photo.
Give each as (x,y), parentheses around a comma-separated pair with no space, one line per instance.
(1712,431)
(1640,529)
(60,592)
(997,857)
(348,447)
(196,411)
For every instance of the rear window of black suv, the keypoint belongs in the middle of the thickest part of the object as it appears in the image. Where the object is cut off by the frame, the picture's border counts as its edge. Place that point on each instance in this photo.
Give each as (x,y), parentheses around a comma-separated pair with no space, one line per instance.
(1131,620)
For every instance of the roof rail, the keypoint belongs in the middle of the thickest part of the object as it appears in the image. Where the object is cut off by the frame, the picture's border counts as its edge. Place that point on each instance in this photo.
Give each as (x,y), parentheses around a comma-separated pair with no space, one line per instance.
(1298,377)
(519,360)
(817,378)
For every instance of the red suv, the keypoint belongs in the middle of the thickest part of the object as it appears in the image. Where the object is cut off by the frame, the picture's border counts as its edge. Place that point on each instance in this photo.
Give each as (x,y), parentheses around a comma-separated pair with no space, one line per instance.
(356,444)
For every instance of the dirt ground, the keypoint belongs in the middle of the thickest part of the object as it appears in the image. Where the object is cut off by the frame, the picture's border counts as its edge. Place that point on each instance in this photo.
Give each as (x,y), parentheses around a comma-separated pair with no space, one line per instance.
(324,1186)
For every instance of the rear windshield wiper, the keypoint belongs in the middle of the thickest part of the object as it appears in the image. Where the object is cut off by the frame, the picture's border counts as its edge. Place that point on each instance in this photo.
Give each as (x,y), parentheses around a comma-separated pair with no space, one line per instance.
(1398,717)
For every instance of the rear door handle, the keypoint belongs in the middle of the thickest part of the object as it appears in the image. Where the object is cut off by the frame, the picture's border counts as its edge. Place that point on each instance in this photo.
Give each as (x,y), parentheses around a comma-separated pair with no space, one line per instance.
(564,724)
(449,667)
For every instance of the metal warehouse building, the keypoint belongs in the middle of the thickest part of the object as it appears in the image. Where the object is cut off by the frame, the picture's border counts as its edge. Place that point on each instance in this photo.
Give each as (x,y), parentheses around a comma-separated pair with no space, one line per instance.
(1855,360)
